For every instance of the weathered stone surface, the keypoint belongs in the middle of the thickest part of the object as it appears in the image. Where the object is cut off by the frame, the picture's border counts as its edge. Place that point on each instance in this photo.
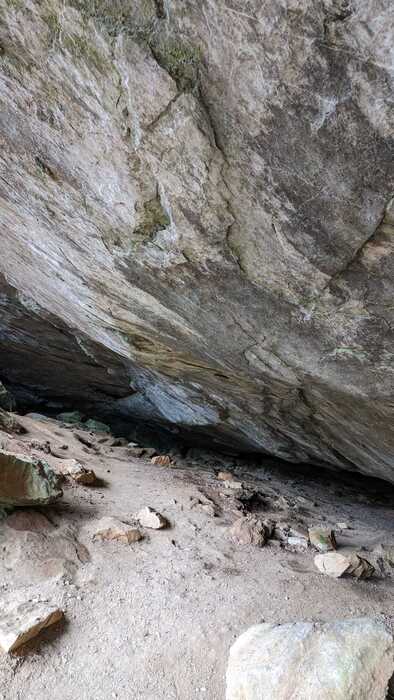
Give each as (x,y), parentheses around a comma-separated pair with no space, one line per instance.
(344,660)
(149,517)
(196,225)
(26,481)
(24,621)
(70,417)
(335,564)
(110,529)
(97,426)
(322,539)
(251,529)
(161,460)
(76,471)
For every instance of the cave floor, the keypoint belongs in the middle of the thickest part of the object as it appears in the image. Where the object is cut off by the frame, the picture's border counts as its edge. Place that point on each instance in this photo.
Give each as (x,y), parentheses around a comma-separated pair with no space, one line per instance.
(156,619)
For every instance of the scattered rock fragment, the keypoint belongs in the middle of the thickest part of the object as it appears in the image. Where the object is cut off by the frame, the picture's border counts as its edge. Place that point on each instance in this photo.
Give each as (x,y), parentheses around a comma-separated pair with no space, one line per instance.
(97,426)
(135,451)
(23,621)
(26,481)
(336,565)
(77,472)
(149,517)
(225,476)
(233,484)
(342,660)
(161,460)
(360,567)
(70,417)
(384,555)
(251,529)
(110,529)
(322,539)
(342,526)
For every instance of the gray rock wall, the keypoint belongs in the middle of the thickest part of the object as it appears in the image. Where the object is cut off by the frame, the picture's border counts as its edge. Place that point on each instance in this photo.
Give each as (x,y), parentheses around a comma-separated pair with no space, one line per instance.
(195,209)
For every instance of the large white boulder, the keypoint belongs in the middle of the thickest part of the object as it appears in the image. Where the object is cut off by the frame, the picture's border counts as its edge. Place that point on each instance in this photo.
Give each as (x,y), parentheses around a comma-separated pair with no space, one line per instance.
(345,660)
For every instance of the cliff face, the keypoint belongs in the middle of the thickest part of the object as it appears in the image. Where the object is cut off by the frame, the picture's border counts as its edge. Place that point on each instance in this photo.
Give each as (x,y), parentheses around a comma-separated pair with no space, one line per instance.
(195,216)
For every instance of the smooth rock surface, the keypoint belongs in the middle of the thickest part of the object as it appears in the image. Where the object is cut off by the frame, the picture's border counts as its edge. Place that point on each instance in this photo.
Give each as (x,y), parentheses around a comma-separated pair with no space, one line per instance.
(196,220)
(24,621)
(25,481)
(344,660)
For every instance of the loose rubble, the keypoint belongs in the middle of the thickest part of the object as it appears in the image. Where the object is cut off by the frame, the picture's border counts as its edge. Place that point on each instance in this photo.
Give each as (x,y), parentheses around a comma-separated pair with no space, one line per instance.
(251,529)
(23,621)
(350,659)
(77,472)
(149,517)
(161,460)
(111,529)
(335,564)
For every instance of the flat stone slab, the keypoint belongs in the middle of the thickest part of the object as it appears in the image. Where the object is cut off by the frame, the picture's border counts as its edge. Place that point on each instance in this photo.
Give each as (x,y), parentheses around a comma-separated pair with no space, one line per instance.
(344,660)
(24,621)
(26,481)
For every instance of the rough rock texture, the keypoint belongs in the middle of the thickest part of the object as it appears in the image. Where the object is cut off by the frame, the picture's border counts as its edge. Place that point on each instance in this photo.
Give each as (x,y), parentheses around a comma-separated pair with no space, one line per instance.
(196,225)
(26,481)
(345,660)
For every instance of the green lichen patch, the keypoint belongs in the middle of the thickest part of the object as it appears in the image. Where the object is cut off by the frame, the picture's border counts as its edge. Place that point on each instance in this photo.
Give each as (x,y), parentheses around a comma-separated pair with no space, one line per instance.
(153,219)
(82,47)
(181,61)
(120,16)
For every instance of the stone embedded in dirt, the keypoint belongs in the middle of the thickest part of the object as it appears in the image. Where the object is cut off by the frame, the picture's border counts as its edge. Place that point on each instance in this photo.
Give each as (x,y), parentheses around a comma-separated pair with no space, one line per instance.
(251,529)
(23,621)
(110,529)
(225,476)
(149,517)
(26,481)
(342,660)
(77,472)
(97,426)
(70,417)
(336,565)
(161,460)
(322,539)
(342,526)
(28,520)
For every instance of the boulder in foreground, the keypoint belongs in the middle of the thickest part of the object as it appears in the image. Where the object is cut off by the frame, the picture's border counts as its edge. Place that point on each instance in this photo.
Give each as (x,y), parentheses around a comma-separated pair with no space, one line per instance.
(342,660)
(24,621)
(26,481)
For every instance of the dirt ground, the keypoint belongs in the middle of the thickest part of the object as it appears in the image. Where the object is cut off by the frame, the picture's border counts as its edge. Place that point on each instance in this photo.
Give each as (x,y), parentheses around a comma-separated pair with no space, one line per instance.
(154,620)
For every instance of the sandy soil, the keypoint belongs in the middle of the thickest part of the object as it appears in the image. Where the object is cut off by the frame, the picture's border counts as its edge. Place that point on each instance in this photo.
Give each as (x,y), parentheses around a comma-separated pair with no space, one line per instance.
(155,619)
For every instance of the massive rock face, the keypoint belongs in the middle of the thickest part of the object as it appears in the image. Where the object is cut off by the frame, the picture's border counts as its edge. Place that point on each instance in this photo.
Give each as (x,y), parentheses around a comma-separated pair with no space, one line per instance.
(196,225)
